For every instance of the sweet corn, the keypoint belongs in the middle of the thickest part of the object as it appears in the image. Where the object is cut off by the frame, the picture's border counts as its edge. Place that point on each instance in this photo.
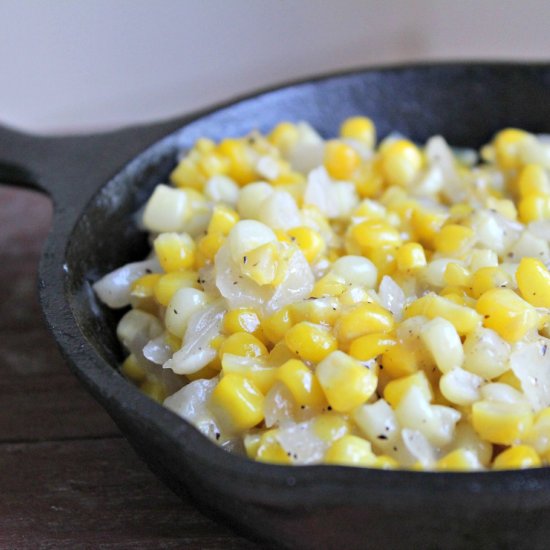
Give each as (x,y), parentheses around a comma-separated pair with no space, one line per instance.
(400,360)
(533,280)
(240,163)
(270,450)
(330,426)
(360,128)
(154,389)
(144,287)
(243,344)
(459,460)
(350,450)
(368,179)
(133,370)
(366,318)
(533,180)
(534,207)
(262,264)
(453,239)
(263,376)
(167,285)
(401,162)
(517,458)
(501,423)
(426,224)
(397,389)
(223,219)
(456,275)
(371,346)
(372,234)
(284,136)
(309,242)
(237,402)
(507,314)
(486,278)
(310,342)
(302,383)
(341,160)
(345,382)
(508,144)
(175,252)
(277,325)
(242,319)
(410,256)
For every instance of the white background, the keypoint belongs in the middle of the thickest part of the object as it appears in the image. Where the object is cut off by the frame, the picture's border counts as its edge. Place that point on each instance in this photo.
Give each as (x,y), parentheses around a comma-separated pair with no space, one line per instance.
(69,65)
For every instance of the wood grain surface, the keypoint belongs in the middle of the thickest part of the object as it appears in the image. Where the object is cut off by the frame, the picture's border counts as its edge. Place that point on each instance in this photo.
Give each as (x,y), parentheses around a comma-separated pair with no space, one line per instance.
(68,479)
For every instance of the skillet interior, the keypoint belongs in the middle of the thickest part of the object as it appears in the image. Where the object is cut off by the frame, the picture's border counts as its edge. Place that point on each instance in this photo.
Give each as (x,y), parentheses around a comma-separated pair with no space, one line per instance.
(307,506)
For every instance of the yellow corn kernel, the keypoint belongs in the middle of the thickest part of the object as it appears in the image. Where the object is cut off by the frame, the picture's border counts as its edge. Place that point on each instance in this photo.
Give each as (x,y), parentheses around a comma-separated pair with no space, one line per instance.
(310,342)
(213,164)
(360,128)
(169,284)
(262,264)
(262,375)
(517,458)
(328,286)
(371,346)
(401,162)
(243,319)
(222,220)
(208,372)
(460,211)
(459,460)
(302,383)
(144,287)
(533,280)
(507,144)
(463,318)
(330,426)
(396,389)
(133,370)
(243,344)
(284,136)
(511,379)
(341,160)
(187,174)
(241,163)
(208,246)
(365,318)
(205,145)
(372,234)
(282,236)
(400,360)
(368,179)
(410,256)
(533,180)
(154,389)
(385,462)
(501,423)
(384,258)
(350,450)
(238,402)
(320,312)
(175,251)
(426,224)
(309,242)
(486,278)
(507,314)
(277,325)
(251,442)
(456,275)
(270,450)
(345,381)
(453,239)
(534,207)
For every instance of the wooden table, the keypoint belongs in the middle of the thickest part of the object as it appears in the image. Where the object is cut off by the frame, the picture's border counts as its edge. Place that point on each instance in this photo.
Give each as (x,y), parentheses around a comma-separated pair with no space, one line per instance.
(68,479)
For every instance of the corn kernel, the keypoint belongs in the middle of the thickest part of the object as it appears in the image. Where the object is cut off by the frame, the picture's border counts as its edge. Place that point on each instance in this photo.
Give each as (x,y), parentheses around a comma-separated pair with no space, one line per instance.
(486,278)
(401,162)
(133,370)
(309,242)
(368,179)
(372,234)
(533,180)
(459,460)
(251,442)
(350,450)
(507,314)
(517,458)
(501,423)
(453,239)
(464,319)
(144,287)
(328,286)
(371,346)
(302,383)
(238,402)
(534,207)
(385,462)
(365,318)
(242,319)
(170,283)
(508,144)
(456,275)
(384,259)
(277,325)
(243,344)
(154,389)
(397,389)
(223,219)
(330,426)
(270,450)
(345,381)
(187,174)
(175,251)
(410,256)
(263,376)
(284,136)
(360,128)
(400,360)
(241,165)
(262,264)
(534,282)
(320,312)
(208,246)
(341,160)
(310,342)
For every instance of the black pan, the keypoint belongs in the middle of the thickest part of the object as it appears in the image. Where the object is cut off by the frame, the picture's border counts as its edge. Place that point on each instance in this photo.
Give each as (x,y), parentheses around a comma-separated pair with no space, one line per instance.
(97,182)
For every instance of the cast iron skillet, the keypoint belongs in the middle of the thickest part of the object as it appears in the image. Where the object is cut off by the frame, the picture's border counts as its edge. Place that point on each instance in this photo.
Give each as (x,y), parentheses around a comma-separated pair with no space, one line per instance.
(97,182)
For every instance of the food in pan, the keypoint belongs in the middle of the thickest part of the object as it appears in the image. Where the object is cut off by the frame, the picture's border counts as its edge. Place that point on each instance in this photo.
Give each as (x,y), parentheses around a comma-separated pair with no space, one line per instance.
(312,301)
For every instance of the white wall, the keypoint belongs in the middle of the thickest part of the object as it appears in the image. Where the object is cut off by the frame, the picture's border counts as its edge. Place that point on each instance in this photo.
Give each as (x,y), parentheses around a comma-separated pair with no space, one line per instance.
(68,65)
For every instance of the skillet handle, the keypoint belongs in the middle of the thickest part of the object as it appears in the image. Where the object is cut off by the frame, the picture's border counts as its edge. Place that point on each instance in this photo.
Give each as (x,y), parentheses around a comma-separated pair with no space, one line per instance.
(72,168)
